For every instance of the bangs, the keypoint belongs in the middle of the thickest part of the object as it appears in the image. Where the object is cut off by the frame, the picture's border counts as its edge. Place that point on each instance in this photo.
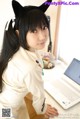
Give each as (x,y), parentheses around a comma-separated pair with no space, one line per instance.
(36,19)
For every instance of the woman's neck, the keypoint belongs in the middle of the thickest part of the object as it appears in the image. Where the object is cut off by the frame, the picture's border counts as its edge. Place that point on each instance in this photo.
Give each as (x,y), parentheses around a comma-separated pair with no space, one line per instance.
(32,49)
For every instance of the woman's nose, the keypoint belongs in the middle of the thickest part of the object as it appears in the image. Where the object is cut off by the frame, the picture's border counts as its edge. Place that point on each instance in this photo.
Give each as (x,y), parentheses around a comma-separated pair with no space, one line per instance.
(41,35)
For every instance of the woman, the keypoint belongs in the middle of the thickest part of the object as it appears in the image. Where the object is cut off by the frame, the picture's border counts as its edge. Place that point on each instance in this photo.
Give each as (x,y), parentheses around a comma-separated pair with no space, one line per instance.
(21,64)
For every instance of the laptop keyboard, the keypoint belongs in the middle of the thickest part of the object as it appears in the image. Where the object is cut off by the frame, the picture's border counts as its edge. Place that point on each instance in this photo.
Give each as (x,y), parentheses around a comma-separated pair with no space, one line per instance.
(60,92)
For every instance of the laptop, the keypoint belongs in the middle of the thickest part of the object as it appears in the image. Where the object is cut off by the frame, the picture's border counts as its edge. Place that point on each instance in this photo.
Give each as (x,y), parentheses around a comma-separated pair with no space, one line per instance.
(66,89)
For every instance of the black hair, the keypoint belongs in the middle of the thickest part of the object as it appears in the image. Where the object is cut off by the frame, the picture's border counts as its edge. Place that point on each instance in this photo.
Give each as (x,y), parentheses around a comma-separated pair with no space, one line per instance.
(29,22)
(10,46)
(11,41)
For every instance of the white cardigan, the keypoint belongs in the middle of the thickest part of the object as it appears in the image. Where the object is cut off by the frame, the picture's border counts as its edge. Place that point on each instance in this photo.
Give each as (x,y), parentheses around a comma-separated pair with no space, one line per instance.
(23,75)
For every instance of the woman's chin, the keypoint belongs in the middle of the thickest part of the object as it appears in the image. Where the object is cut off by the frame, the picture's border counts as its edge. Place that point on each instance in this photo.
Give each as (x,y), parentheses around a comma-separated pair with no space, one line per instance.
(42,46)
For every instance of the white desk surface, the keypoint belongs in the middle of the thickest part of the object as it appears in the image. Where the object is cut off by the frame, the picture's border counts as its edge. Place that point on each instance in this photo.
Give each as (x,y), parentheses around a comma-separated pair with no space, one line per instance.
(71,113)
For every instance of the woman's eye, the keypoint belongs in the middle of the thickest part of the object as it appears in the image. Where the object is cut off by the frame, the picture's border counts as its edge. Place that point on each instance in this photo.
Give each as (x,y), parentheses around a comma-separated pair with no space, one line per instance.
(44,28)
(34,31)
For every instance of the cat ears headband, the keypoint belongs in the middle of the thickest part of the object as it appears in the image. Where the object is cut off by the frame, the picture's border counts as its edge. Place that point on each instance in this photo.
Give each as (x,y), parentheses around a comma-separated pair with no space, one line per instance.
(19,9)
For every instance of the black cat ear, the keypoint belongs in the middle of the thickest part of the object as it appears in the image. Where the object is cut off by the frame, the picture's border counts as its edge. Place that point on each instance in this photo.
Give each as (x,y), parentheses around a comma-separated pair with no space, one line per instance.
(45,5)
(17,8)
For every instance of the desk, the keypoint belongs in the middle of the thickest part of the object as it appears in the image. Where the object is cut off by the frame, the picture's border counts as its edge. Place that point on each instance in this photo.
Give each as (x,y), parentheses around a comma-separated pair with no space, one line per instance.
(71,113)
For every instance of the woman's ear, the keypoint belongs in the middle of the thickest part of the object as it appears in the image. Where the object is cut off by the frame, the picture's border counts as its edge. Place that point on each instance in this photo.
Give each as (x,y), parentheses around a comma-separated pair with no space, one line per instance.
(17,32)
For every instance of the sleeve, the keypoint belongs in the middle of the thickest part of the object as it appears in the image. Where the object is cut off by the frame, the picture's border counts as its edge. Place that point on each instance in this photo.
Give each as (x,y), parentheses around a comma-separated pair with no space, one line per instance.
(34,84)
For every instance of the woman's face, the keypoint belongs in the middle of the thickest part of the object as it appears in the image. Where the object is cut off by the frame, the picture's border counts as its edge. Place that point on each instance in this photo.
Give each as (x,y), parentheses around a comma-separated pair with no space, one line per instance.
(37,39)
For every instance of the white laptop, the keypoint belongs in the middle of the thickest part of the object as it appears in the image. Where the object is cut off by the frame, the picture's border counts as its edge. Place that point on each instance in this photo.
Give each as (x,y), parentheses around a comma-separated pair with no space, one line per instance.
(66,90)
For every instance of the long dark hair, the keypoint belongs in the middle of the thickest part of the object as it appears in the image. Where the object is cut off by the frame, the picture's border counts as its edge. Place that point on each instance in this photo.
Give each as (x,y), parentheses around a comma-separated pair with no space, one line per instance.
(11,41)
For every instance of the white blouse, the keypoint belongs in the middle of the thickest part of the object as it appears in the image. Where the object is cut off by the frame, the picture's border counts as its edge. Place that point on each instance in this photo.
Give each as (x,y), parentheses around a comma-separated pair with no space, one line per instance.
(23,75)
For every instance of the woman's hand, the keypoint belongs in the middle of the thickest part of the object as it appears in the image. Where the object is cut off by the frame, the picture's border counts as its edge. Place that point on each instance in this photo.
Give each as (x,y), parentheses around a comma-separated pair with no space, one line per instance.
(51,112)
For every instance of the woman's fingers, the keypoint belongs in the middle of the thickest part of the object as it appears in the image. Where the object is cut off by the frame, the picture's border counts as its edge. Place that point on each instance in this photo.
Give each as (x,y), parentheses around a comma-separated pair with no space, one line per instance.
(51,111)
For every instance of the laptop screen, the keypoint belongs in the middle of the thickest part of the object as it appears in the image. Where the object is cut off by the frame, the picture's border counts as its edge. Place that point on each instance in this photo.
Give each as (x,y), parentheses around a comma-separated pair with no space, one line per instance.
(73,71)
